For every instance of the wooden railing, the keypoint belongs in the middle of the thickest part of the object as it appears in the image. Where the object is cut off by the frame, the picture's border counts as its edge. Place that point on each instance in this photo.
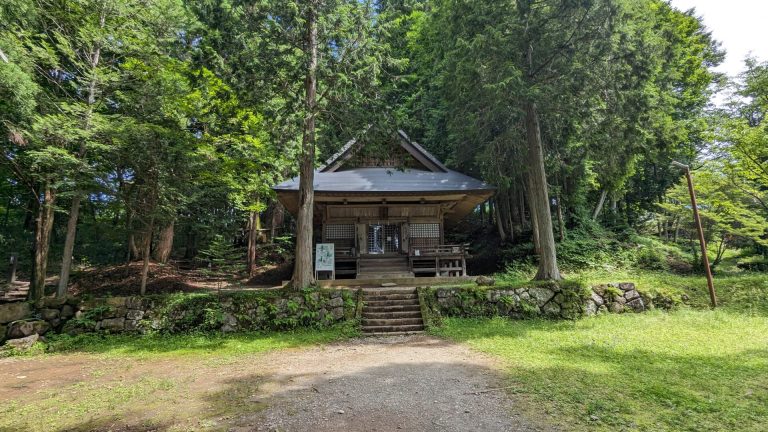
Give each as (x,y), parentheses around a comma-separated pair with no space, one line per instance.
(441,260)
(440,250)
(344,252)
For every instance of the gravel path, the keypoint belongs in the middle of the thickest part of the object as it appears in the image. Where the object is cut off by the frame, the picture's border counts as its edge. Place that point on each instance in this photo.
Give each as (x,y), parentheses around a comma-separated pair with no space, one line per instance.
(409,383)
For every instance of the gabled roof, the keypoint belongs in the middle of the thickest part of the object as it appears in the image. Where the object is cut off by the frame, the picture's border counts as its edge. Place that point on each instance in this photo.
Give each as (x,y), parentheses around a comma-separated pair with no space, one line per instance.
(429,181)
(389,180)
(412,147)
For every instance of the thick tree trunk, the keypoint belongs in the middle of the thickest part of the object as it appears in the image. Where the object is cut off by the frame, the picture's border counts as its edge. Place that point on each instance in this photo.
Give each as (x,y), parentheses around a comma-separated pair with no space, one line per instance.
(534,220)
(43,228)
(302,271)
(146,254)
(253,230)
(548,269)
(165,243)
(69,247)
(600,204)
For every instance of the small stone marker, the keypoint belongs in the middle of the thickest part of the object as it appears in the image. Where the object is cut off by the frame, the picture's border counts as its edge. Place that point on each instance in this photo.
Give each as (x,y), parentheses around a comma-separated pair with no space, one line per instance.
(388,284)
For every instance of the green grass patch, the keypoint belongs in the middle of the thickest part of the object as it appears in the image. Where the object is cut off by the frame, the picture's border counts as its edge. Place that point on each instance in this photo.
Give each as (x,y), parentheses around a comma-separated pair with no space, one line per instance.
(690,370)
(86,405)
(193,344)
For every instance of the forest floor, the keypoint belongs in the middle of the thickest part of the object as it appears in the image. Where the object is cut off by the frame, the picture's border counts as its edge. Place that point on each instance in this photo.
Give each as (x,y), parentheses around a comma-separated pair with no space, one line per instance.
(268,382)
(125,280)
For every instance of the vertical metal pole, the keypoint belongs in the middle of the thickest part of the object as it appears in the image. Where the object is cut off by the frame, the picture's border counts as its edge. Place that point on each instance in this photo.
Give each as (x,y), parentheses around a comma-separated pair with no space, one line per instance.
(702,243)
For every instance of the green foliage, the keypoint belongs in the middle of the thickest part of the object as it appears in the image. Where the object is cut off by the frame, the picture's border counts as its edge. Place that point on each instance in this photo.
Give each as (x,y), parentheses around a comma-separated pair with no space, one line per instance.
(651,259)
(244,311)
(220,252)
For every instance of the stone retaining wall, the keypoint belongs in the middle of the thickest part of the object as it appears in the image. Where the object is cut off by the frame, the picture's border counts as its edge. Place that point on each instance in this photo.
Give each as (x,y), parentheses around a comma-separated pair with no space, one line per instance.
(550,300)
(229,312)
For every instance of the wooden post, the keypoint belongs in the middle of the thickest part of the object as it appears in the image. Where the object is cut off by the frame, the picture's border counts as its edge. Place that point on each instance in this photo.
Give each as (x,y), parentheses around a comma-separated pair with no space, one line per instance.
(702,242)
(12,268)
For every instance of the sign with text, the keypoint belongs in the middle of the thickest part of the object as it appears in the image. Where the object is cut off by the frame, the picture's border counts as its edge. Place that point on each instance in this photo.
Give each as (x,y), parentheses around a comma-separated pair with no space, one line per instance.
(324,257)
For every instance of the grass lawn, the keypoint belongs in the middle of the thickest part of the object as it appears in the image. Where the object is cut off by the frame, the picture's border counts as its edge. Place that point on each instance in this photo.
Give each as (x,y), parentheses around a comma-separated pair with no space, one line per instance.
(168,382)
(689,370)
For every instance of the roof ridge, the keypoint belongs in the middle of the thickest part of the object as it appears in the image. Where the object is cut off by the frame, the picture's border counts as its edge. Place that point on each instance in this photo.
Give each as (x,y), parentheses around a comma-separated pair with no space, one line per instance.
(412,147)
(422,150)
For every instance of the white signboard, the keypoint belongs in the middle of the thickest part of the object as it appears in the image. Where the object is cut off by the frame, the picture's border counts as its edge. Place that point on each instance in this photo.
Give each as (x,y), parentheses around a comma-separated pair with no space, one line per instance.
(324,257)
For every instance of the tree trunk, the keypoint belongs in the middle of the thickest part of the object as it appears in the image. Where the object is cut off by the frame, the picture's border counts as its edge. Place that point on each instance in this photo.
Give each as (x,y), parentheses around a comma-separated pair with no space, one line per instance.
(302,271)
(165,243)
(534,220)
(548,269)
(253,227)
(600,204)
(521,207)
(504,214)
(146,253)
(499,224)
(69,247)
(43,228)
(74,212)
(136,253)
(676,229)
(277,219)
(515,204)
(560,220)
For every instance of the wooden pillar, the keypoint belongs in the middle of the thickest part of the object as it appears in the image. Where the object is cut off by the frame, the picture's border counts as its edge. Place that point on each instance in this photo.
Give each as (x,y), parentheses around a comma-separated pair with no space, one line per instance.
(404,238)
(362,238)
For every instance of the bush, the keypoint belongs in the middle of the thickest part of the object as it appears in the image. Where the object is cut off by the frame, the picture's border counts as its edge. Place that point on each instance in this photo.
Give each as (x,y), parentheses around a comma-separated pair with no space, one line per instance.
(649,258)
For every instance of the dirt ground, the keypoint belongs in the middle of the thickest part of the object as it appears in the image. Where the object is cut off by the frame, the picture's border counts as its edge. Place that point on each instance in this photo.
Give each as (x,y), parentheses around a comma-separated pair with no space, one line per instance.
(409,383)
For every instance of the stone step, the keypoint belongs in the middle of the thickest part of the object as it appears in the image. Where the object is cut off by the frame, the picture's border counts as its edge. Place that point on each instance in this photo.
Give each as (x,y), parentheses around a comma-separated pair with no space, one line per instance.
(397,333)
(392,290)
(389,329)
(393,296)
(402,302)
(394,322)
(392,308)
(397,314)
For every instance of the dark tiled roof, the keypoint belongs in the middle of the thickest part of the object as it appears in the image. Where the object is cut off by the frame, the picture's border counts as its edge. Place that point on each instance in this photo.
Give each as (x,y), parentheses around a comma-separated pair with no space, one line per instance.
(389,180)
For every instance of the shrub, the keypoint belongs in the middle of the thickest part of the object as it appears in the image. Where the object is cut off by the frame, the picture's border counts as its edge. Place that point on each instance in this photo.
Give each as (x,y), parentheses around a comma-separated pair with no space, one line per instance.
(649,258)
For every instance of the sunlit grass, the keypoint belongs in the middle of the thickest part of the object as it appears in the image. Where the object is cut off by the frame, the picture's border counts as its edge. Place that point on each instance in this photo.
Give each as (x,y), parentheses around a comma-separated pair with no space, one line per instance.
(690,370)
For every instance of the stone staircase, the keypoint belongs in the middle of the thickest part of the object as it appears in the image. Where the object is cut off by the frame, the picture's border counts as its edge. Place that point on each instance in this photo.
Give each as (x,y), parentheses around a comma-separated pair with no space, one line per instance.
(393,311)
